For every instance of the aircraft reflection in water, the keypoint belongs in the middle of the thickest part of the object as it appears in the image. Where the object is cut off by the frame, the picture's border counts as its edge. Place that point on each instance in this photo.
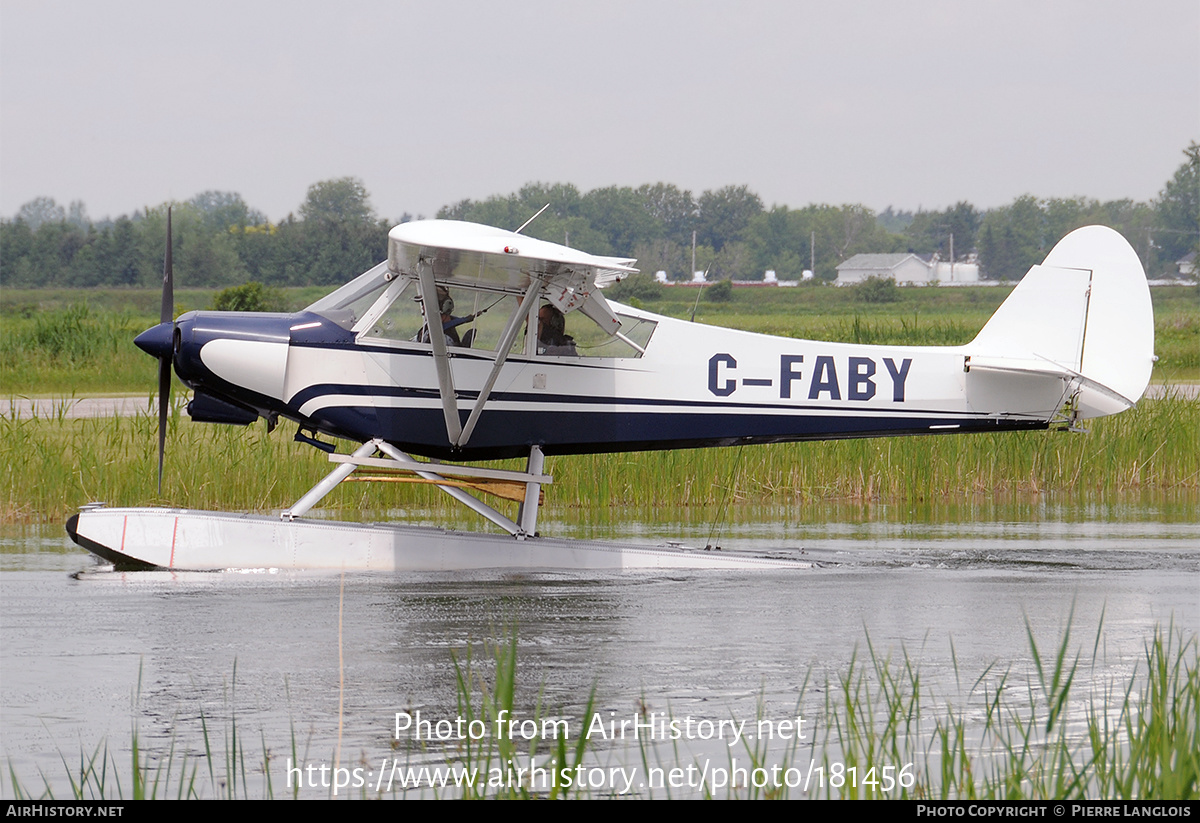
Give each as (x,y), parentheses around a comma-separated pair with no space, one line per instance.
(1074,340)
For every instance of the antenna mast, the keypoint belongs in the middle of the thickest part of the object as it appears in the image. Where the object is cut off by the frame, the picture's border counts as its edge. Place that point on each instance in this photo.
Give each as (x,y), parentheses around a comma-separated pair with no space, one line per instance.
(531,219)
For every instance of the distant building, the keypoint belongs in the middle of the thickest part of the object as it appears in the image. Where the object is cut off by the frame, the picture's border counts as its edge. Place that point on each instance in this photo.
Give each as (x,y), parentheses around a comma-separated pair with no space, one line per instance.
(903,268)
(1187,264)
(906,269)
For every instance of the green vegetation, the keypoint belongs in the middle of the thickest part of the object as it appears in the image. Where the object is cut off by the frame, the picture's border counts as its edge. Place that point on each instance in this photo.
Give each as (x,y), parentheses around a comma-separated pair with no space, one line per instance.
(1152,447)
(491,704)
(69,350)
(877,290)
(1135,740)
(220,773)
(70,342)
(719,292)
(52,466)
(218,241)
(1012,734)
(221,241)
(641,287)
(252,296)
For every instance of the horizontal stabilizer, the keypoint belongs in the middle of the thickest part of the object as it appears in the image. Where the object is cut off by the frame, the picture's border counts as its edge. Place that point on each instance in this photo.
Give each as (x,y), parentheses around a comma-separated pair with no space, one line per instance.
(1092,396)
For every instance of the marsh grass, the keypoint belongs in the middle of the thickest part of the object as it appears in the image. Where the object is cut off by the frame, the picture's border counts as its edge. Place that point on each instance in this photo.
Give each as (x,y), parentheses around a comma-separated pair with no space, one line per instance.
(1035,739)
(1049,727)
(53,464)
(73,349)
(1052,726)
(153,774)
(492,757)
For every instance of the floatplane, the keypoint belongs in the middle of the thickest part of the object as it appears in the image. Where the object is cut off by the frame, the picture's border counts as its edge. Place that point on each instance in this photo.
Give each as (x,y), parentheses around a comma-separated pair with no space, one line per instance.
(527,358)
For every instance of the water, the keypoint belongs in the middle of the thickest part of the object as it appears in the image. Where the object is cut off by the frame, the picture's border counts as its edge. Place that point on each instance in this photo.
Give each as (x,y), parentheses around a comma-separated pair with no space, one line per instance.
(87,653)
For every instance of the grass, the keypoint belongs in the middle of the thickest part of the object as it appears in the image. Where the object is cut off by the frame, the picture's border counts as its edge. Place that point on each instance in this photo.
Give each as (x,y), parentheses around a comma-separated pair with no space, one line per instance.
(1150,447)
(76,348)
(105,775)
(491,757)
(157,775)
(64,342)
(879,730)
(52,465)
(1014,740)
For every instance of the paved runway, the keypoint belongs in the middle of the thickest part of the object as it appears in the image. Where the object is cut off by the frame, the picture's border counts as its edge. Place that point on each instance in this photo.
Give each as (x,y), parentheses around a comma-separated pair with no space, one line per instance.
(74,408)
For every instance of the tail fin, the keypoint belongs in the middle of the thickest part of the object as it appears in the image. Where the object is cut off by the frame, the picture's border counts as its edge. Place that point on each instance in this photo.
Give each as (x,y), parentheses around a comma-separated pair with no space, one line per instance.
(1083,317)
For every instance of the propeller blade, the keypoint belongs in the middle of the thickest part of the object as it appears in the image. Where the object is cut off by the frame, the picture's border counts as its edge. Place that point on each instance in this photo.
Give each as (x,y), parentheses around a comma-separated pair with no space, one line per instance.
(164,362)
(164,403)
(168,295)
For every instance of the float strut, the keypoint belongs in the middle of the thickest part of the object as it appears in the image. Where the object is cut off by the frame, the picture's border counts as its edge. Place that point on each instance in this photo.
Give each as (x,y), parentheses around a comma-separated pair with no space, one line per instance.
(528,512)
(327,485)
(429,472)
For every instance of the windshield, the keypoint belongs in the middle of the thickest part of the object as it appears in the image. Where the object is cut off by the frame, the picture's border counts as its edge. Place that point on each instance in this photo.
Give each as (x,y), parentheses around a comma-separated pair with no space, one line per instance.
(347,305)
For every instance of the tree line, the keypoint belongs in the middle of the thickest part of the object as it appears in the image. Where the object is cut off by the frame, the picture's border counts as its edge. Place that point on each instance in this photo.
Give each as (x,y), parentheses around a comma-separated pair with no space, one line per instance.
(219,240)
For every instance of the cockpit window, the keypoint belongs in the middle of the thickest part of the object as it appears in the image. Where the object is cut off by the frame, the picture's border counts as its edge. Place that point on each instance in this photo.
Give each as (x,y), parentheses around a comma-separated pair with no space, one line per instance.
(385,307)
(481,317)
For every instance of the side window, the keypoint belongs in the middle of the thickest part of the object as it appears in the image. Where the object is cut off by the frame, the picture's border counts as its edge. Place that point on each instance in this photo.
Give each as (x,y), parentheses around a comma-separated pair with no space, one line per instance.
(470,318)
(481,317)
(583,338)
(476,319)
(637,330)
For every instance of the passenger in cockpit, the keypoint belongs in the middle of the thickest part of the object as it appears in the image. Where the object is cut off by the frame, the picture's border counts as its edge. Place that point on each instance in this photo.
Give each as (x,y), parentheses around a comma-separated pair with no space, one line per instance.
(552,333)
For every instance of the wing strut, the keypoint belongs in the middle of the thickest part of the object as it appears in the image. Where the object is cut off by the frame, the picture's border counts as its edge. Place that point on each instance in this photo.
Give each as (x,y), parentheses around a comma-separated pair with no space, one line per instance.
(506,341)
(441,358)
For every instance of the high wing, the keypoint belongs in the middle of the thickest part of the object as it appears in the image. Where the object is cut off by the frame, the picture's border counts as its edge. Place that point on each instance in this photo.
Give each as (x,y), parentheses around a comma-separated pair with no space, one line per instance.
(450,253)
(477,252)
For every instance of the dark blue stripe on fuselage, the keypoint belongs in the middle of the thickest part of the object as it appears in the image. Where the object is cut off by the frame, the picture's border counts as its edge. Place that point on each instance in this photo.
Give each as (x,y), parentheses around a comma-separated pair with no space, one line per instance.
(502,434)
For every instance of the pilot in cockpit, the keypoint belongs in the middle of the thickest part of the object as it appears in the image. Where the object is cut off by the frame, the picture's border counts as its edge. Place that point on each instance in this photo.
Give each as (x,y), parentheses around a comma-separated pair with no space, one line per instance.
(449,326)
(552,333)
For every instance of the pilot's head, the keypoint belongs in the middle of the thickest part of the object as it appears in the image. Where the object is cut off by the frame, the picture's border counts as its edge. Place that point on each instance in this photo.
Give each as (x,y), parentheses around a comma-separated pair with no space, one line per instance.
(445,302)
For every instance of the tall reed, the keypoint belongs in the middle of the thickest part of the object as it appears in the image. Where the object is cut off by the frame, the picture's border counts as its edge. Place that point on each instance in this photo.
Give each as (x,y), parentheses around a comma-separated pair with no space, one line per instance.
(1051,727)
(1132,739)
(50,466)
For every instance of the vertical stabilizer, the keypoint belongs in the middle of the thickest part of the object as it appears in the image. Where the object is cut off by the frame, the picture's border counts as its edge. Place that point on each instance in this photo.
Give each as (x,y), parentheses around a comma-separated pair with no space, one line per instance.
(1084,314)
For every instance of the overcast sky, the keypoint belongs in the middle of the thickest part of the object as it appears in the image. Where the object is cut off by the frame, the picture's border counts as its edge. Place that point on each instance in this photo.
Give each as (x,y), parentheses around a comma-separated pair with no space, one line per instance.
(919,104)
